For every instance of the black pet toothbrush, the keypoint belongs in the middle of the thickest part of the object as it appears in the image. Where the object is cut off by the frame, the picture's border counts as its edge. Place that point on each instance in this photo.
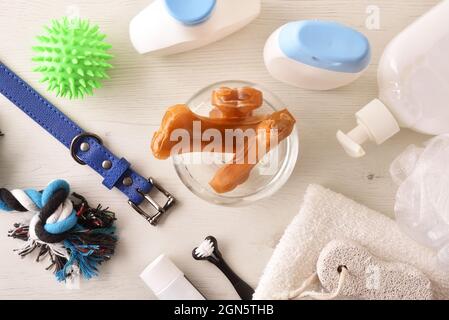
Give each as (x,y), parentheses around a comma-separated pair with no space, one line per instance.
(208,250)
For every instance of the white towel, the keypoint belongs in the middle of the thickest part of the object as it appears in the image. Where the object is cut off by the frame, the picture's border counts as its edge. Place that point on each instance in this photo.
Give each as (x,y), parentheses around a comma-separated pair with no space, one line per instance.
(325,216)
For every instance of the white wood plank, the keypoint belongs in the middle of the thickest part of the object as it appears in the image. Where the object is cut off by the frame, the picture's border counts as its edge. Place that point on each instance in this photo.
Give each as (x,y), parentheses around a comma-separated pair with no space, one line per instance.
(129,109)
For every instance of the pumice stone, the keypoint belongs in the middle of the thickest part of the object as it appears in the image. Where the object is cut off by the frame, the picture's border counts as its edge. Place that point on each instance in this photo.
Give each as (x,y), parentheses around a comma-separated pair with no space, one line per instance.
(369,277)
(173,26)
(316,55)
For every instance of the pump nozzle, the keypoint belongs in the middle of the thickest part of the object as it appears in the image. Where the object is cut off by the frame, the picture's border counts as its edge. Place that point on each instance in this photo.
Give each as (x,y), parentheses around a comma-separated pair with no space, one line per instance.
(374,122)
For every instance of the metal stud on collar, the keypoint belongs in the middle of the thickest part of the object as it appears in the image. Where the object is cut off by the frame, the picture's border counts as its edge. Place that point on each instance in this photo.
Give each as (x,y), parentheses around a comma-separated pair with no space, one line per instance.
(84,148)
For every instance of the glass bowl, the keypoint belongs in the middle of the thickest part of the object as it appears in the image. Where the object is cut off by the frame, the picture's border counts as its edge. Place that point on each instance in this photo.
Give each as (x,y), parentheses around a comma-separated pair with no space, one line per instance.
(196,169)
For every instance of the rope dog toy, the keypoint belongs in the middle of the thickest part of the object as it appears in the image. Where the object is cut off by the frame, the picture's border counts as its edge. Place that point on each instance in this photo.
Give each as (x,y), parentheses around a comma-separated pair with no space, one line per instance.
(73,236)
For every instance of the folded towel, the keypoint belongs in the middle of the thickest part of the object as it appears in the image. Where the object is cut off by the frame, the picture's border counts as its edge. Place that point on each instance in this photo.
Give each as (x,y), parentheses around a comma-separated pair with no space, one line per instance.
(326,216)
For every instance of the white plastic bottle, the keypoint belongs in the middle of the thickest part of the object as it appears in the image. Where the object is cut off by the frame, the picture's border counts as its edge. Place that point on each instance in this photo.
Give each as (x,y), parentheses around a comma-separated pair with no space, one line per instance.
(413,80)
(167,282)
(172,26)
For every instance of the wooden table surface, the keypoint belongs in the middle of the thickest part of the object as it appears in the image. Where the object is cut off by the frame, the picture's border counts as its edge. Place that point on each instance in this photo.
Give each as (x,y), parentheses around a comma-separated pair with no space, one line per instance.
(128,110)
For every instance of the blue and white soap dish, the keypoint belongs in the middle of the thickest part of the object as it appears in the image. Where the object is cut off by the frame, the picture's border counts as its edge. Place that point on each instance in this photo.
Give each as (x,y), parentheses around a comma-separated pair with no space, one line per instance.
(316,55)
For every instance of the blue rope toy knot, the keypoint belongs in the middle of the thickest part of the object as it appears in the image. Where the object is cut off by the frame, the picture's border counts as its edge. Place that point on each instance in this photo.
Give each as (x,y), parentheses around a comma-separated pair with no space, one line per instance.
(65,229)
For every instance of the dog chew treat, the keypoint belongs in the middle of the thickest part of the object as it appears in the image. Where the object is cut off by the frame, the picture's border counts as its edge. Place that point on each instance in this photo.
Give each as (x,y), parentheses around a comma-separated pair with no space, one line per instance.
(231,120)
(181,117)
(235,103)
(230,176)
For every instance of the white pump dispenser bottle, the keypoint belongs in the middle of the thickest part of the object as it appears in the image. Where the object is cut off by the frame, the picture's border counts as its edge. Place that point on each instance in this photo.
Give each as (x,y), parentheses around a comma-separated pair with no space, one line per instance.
(413,79)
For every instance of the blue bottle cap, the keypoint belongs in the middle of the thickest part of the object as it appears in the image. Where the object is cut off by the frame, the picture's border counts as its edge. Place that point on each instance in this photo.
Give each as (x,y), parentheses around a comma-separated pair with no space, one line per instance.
(325,45)
(190,12)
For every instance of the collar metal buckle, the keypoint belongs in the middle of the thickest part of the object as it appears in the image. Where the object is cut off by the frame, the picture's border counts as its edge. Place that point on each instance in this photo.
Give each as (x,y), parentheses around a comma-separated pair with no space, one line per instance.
(161,210)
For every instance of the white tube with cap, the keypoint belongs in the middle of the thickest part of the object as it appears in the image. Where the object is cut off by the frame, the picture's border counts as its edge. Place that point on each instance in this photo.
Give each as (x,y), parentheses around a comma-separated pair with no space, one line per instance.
(167,282)
(168,27)
(413,80)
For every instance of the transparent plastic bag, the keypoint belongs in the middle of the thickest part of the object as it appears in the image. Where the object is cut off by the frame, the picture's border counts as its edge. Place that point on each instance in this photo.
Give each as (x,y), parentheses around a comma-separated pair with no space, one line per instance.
(422,200)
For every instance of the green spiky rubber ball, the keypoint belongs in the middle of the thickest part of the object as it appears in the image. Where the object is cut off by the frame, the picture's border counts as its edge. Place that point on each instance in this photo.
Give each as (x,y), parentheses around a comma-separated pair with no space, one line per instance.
(72,57)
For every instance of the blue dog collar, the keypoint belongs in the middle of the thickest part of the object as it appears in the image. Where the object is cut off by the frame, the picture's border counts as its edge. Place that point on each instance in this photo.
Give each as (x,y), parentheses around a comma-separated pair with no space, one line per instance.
(85,148)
